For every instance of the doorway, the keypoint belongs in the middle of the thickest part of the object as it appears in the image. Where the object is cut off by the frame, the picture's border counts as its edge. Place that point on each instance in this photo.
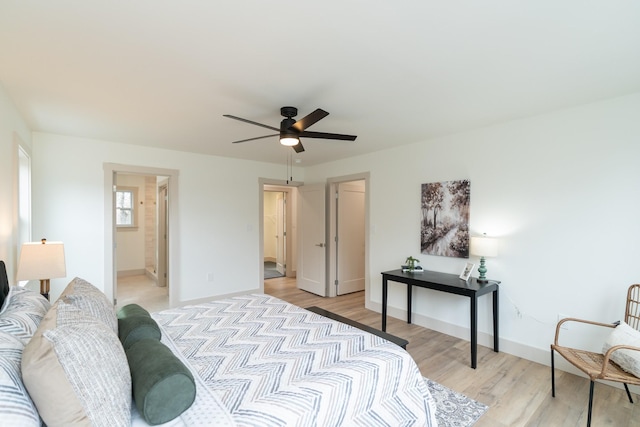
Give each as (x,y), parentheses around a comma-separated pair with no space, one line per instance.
(275,234)
(165,253)
(278,218)
(141,232)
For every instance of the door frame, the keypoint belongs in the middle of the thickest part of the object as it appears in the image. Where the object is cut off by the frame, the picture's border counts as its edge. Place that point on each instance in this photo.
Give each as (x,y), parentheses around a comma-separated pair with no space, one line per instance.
(173,265)
(333,183)
(286,187)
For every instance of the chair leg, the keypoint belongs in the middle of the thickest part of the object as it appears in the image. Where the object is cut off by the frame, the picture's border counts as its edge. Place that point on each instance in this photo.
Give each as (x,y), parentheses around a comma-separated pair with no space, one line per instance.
(626,387)
(553,376)
(590,404)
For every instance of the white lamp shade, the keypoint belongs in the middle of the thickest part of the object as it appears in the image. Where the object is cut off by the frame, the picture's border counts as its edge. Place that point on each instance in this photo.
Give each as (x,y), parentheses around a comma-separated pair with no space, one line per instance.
(484,246)
(41,261)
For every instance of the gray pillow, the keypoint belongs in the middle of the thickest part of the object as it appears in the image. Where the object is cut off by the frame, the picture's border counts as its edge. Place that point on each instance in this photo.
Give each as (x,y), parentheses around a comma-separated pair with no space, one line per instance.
(76,371)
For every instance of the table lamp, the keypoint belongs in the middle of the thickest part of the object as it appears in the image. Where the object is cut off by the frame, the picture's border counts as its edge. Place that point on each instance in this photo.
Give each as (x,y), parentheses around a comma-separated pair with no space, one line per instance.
(42,261)
(483,247)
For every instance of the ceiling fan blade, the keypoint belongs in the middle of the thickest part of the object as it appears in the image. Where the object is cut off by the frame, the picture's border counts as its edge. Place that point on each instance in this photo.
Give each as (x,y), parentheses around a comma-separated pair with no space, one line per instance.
(253,139)
(324,135)
(309,120)
(298,147)
(250,122)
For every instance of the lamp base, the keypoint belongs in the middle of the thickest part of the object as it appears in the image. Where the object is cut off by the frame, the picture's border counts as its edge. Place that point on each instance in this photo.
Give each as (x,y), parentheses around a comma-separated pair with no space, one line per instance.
(44,288)
(482,270)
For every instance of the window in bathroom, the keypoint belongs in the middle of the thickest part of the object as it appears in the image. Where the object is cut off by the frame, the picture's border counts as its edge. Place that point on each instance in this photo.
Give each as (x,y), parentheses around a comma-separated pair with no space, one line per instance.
(126,207)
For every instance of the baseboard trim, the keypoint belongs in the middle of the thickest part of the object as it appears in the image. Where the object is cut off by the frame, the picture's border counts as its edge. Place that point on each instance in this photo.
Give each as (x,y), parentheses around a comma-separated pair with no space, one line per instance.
(217,297)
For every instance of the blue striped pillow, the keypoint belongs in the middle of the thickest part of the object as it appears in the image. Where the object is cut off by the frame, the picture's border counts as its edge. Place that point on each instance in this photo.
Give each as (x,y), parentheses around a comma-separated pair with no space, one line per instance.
(22,313)
(16,406)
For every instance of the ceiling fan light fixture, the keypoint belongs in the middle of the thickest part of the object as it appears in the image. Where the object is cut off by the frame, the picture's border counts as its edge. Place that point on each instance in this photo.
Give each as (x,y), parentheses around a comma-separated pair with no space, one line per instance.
(289,141)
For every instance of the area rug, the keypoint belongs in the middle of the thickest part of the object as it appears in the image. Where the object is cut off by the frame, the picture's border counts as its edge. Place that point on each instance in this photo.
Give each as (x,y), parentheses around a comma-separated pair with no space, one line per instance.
(454,409)
(270,271)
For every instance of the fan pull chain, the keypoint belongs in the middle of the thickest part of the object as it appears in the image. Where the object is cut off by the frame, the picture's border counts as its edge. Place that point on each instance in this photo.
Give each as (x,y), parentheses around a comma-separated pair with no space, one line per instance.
(291,162)
(287,172)
(289,169)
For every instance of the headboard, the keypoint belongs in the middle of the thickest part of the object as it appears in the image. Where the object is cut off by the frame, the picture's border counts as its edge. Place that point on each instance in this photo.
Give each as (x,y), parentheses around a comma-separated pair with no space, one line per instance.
(4,283)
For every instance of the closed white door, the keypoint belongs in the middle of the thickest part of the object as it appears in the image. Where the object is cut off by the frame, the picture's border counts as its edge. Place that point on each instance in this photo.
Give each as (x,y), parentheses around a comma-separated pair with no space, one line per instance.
(311,272)
(350,238)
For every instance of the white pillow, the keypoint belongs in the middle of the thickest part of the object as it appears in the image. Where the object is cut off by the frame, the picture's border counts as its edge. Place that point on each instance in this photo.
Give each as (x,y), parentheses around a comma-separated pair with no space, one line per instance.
(628,360)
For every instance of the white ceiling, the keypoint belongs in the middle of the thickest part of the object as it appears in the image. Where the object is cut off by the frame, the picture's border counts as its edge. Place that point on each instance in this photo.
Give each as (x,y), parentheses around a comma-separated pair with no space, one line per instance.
(163,72)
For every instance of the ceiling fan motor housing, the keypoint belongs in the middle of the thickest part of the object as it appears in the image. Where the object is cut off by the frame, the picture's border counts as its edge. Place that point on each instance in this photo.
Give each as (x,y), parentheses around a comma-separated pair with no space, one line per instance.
(286,130)
(289,112)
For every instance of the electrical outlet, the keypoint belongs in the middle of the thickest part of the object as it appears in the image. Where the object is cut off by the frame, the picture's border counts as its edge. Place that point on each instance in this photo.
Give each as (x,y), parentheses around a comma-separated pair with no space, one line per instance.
(566,324)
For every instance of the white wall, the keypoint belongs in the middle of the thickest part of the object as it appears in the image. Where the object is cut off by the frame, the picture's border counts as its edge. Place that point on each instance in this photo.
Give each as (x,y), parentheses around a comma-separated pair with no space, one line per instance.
(561,191)
(12,129)
(218,211)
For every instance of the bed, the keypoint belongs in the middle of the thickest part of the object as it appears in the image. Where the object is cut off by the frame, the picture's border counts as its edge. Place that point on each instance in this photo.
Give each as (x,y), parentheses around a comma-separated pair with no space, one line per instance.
(253,360)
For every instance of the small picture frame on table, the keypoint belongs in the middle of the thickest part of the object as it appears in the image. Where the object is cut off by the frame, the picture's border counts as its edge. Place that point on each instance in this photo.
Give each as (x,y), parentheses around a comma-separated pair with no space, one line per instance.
(468,268)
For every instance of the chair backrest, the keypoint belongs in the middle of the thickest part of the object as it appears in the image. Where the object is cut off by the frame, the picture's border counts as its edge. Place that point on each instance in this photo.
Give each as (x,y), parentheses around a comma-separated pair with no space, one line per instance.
(632,312)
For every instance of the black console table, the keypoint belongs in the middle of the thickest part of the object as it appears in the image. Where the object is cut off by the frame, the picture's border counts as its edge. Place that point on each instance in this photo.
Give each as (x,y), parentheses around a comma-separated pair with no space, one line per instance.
(452,284)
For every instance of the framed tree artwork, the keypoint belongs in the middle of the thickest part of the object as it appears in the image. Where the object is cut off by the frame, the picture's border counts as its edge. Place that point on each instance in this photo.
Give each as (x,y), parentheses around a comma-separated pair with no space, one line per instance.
(444,228)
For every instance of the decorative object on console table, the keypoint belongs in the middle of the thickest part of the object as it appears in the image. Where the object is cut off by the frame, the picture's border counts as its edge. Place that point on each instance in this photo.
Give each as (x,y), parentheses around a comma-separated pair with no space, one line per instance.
(42,261)
(468,268)
(483,247)
(411,266)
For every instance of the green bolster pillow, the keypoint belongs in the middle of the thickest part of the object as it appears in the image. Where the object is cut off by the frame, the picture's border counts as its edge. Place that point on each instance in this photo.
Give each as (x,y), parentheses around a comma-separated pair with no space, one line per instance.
(132,310)
(135,324)
(163,387)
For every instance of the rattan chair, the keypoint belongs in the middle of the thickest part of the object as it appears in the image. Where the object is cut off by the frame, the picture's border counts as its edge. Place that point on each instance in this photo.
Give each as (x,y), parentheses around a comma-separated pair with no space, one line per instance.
(598,366)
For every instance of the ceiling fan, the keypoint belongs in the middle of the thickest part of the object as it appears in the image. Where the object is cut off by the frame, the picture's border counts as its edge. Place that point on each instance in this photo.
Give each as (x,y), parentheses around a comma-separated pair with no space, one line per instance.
(291,130)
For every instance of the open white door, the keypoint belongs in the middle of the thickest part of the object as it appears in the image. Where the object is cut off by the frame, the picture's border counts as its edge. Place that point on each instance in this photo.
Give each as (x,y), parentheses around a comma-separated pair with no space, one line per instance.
(280,233)
(311,272)
(163,211)
(350,241)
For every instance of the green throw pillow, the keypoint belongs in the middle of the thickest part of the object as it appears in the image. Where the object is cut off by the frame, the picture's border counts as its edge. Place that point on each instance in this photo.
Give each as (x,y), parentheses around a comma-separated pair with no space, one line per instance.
(135,324)
(163,387)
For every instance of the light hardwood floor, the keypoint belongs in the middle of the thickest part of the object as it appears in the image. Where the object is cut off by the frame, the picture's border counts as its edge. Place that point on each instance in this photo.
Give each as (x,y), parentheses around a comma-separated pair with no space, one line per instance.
(142,291)
(517,391)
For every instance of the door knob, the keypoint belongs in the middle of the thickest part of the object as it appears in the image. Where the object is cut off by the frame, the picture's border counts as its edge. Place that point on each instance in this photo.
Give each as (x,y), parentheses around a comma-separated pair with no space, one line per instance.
(320,244)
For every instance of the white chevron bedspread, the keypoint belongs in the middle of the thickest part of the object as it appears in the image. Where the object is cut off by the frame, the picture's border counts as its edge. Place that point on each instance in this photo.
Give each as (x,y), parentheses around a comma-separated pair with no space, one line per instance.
(270,363)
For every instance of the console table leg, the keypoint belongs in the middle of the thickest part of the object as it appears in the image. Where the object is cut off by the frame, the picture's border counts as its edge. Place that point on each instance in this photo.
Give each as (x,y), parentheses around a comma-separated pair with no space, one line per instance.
(495,321)
(474,332)
(409,294)
(384,304)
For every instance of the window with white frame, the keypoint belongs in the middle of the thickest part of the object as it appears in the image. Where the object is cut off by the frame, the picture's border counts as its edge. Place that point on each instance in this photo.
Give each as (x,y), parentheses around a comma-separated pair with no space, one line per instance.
(24,196)
(126,207)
